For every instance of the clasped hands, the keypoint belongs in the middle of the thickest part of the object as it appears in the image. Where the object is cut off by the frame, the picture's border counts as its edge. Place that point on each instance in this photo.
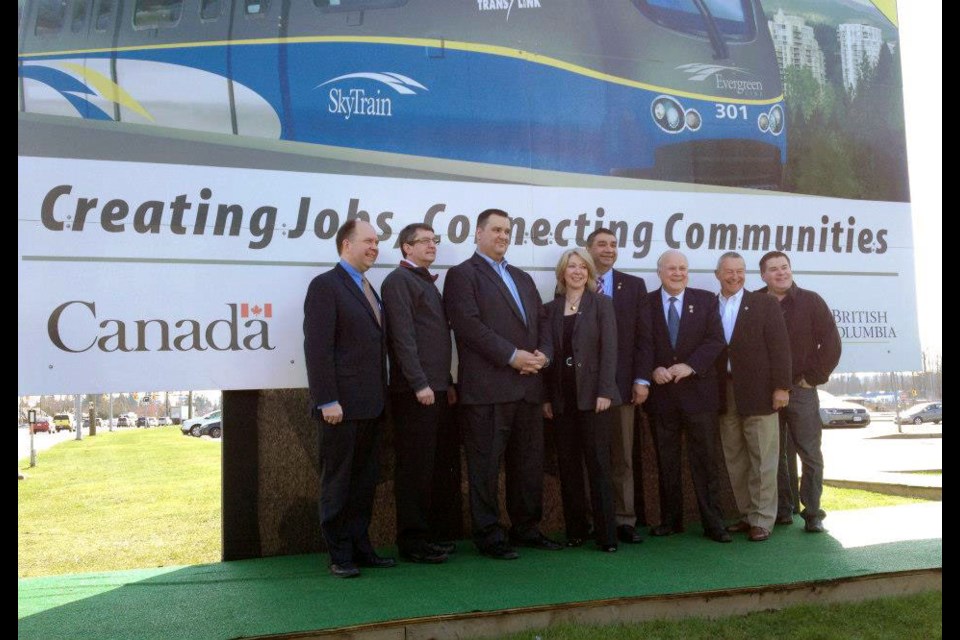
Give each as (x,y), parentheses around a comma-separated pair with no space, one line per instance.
(528,363)
(676,373)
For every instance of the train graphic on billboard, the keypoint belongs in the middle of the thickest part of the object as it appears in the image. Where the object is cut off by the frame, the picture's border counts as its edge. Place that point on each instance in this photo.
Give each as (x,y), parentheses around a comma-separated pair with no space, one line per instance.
(677,90)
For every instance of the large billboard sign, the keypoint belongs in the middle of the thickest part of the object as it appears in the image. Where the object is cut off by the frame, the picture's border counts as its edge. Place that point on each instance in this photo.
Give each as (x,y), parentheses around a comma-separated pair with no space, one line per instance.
(705,127)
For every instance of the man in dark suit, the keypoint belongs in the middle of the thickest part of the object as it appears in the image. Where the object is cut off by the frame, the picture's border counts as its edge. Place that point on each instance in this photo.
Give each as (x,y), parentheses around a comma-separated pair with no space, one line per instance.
(687,338)
(815,352)
(427,440)
(345,348)
(496,312)
(629,294)
(754,370)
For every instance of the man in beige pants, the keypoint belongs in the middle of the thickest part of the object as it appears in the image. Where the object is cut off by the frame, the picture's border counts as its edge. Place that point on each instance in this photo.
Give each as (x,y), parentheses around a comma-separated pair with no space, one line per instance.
(756,373)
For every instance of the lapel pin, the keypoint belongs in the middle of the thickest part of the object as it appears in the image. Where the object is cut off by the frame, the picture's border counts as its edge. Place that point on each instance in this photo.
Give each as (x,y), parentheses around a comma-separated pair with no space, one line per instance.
(690,309)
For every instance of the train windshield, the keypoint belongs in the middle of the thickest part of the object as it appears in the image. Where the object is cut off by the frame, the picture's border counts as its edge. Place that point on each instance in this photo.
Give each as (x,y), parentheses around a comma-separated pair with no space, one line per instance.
(728,19)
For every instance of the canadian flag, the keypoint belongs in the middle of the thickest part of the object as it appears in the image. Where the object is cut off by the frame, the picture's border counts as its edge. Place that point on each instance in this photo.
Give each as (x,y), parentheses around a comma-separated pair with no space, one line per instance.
(255,310)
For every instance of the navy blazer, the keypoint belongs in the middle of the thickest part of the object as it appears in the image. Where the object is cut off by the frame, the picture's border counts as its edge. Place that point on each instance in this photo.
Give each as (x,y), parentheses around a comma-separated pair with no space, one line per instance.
(759,356)
(594,352)
(699,342)
(633,329)
(344,347)
(489,327)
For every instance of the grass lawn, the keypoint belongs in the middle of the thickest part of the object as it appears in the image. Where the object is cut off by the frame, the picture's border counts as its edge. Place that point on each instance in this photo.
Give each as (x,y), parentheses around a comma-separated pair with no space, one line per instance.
(127,499)
(141,498)
(916,617)
(835,499)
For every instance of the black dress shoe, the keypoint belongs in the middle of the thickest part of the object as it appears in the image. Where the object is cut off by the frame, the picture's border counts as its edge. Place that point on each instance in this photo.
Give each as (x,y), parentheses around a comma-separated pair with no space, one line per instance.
(664,530)
(628,534)
(575,542)
(444,547)
(718,536)
(423,553)
(344,570)
(374,561)
(538,541)
(607,548)
(814,525)
(500,551)
(785,519)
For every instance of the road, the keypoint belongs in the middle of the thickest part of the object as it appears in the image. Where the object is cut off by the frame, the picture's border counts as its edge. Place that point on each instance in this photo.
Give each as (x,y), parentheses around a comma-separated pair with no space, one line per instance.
(879,448)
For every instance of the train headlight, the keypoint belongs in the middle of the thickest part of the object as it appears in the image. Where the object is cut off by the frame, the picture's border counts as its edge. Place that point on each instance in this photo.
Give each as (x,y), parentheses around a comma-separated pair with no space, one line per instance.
(763,122)
(776,120)
(692,119)
(668,114)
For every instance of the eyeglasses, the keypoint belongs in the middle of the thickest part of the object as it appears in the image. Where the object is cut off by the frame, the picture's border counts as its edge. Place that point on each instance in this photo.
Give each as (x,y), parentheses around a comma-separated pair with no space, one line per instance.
(433,240)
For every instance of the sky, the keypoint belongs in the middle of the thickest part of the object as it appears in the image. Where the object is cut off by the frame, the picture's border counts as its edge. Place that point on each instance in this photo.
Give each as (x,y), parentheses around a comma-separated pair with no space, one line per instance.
(921,39)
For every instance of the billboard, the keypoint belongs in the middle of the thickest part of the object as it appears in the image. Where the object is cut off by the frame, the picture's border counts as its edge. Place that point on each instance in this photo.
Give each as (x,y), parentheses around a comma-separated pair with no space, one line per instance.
(181,177)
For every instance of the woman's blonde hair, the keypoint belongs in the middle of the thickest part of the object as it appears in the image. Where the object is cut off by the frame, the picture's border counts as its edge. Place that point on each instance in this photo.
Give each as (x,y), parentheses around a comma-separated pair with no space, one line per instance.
(565,260)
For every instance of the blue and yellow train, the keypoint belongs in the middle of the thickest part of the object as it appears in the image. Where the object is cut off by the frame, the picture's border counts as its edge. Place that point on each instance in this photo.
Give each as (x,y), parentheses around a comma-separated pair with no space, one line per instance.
(680,90)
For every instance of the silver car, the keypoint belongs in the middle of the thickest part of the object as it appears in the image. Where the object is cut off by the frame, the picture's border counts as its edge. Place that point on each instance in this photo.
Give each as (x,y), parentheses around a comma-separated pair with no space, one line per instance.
(923,412)
(835,412)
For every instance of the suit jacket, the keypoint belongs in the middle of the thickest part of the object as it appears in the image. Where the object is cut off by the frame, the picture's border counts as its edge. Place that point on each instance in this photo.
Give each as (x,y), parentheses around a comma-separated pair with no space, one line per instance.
(344,347)
(633,329)
(759,355)
(699,342)
(488,327)
(594,352)
(419,335)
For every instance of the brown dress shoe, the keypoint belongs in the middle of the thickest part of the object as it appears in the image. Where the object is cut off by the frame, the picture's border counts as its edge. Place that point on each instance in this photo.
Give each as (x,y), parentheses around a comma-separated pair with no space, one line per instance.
(758,534)
(739,527)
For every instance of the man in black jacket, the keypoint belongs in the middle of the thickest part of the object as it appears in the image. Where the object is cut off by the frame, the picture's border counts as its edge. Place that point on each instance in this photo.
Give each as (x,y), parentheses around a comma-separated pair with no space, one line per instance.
(754,371)
(496,314)
(426,441)
(815,352)
(687,338)
(345,348)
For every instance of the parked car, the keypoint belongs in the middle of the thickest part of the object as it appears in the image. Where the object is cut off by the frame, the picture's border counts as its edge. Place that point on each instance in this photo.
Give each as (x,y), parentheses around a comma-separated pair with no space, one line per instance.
(153,422)
(212,429)
(123,421)
(64,422)
(42,425)
(165,421)
(835,412)
(142,422)
(86,422)
(923,412)
(192,426)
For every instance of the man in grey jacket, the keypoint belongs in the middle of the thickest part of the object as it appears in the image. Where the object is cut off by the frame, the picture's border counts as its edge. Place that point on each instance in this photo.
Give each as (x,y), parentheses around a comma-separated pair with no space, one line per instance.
(427,441)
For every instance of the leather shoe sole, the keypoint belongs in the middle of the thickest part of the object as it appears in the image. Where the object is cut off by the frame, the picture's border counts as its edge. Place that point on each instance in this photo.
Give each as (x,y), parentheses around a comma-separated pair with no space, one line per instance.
(718,536)
(345,570)
(758,534)
(426,556)
(500,552)
(539,542)
(628,534)
(376,562)
(664,530)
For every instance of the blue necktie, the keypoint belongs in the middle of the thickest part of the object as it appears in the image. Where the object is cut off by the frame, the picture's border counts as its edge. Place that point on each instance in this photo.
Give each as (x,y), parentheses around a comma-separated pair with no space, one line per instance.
(673,322)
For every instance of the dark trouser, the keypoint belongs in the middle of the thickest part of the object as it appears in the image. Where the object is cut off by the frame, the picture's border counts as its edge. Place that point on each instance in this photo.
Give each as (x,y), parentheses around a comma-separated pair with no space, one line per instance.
(427,444)
(348,480)
(583,438)
(701,431)
(639,442)
(514,431)
(800,426)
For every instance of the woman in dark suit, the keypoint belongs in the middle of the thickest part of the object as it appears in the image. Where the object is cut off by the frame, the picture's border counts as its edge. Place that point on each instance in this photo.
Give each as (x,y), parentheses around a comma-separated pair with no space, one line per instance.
(581,388)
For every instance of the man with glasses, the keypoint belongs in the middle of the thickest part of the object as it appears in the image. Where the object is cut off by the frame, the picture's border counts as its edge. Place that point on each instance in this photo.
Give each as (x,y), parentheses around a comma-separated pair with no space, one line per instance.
(427,441)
